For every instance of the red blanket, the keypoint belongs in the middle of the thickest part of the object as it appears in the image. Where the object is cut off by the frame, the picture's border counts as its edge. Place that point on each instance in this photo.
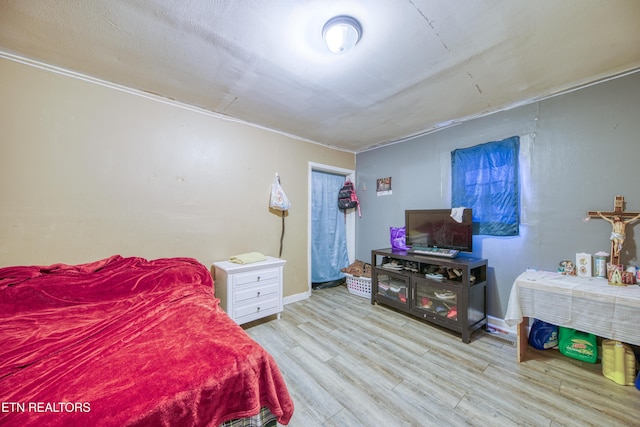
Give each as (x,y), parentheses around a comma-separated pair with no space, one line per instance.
(127,342)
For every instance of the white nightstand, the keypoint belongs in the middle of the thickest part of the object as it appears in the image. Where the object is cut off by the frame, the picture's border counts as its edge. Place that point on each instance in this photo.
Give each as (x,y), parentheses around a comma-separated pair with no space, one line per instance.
(250,291)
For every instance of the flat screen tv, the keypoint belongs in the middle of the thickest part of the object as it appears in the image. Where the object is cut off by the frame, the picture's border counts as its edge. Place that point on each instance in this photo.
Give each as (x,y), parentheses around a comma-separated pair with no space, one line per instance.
(435,228)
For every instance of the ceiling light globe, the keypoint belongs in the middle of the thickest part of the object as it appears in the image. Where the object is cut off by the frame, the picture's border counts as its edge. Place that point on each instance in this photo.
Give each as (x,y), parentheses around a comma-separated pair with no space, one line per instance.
(341,34)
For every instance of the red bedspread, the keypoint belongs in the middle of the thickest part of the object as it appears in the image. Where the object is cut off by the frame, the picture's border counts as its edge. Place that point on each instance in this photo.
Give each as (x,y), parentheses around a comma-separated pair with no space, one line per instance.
(127,342)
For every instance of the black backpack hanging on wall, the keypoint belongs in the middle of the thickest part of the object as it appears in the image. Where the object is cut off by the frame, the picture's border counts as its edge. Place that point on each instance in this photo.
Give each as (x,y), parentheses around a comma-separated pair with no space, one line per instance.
(347,198)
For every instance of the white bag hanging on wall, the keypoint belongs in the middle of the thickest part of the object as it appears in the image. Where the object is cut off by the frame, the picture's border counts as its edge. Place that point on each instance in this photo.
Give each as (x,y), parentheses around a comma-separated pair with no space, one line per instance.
(278,199)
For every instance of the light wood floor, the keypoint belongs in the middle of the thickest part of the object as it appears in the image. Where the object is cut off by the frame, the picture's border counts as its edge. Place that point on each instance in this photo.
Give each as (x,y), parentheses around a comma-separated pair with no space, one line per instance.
(349,363)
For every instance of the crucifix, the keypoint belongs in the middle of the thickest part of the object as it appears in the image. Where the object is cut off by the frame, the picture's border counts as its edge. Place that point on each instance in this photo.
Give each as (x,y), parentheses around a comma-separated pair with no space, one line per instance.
(618,219)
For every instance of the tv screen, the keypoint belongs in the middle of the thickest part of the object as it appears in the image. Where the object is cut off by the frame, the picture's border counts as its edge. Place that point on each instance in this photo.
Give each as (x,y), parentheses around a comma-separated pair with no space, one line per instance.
(435,228)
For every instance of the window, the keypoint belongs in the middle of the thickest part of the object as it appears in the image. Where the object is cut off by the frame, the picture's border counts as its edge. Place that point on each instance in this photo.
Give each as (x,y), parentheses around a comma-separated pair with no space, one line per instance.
(485,179)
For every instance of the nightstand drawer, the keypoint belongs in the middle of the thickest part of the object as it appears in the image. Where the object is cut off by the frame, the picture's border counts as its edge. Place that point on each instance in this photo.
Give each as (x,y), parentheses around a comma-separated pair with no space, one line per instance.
(255,311)
(255,277)
(263,292)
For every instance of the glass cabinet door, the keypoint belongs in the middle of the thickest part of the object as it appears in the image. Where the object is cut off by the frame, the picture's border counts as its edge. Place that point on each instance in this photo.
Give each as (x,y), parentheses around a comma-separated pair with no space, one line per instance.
(436,299)
(393,287)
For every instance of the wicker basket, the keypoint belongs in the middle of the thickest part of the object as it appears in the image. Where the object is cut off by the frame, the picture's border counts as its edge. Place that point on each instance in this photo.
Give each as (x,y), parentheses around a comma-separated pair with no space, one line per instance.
(360,286)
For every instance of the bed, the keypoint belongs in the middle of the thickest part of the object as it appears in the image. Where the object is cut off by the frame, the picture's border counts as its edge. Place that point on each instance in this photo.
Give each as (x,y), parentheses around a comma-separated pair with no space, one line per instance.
(128,342)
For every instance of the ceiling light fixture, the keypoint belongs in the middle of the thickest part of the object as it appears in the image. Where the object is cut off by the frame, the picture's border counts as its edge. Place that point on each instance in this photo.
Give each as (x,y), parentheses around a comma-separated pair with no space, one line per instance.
(341,34)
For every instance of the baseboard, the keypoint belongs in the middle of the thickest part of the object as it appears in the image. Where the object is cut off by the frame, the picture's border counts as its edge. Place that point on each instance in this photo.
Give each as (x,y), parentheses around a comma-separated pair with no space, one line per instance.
(500,325)
(498,328)
(296,297)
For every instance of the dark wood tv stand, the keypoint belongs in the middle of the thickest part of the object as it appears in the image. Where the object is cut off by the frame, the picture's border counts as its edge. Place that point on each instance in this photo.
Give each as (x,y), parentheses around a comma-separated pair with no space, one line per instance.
(410,283)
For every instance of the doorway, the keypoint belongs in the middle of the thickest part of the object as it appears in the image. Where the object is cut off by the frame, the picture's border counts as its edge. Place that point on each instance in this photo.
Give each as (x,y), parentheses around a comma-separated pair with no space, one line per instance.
(332,178)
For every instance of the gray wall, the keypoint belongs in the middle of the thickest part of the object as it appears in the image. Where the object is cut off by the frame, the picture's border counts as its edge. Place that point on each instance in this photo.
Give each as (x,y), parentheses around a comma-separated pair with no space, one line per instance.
(579,151)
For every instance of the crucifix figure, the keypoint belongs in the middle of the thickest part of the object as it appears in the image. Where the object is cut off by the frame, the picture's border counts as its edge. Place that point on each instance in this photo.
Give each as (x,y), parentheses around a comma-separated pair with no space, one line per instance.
(618,220)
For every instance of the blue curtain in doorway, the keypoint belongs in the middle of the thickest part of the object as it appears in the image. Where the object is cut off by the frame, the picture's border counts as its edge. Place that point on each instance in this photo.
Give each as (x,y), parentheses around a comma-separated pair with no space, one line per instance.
(328,236)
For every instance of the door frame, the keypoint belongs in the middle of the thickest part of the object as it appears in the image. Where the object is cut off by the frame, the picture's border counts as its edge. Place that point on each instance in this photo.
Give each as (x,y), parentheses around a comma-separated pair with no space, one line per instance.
(350,228)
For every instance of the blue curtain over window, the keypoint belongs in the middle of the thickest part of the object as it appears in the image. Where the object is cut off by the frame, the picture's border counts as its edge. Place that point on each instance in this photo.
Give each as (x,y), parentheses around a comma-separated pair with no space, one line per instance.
(485,179)
(328,234)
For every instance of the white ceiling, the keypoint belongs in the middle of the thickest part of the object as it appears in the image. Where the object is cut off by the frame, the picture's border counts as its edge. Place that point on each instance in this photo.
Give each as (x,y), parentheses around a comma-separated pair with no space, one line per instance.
(421,64)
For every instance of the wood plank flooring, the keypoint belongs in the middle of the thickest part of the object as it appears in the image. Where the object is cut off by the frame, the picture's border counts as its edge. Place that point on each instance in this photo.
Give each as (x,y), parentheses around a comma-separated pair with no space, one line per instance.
(349,363)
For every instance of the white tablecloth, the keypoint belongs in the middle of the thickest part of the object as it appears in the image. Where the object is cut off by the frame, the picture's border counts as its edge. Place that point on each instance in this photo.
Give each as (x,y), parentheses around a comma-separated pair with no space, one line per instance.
(588,304)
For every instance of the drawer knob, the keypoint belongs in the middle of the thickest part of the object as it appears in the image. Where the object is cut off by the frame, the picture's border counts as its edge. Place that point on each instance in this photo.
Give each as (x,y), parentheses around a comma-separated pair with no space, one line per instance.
(258,293)
(258,309)
(258,278)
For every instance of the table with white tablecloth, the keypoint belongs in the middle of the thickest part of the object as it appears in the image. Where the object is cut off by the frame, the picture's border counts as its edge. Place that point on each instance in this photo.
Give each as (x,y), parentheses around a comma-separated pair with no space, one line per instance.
(588,304)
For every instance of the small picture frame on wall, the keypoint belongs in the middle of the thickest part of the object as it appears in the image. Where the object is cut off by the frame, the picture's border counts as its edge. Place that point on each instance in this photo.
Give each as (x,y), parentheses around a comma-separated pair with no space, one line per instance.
(383,186)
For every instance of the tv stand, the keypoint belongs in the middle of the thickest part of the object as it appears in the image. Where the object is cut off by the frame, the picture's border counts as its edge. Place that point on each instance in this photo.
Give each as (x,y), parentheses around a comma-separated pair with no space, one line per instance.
(450,292)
